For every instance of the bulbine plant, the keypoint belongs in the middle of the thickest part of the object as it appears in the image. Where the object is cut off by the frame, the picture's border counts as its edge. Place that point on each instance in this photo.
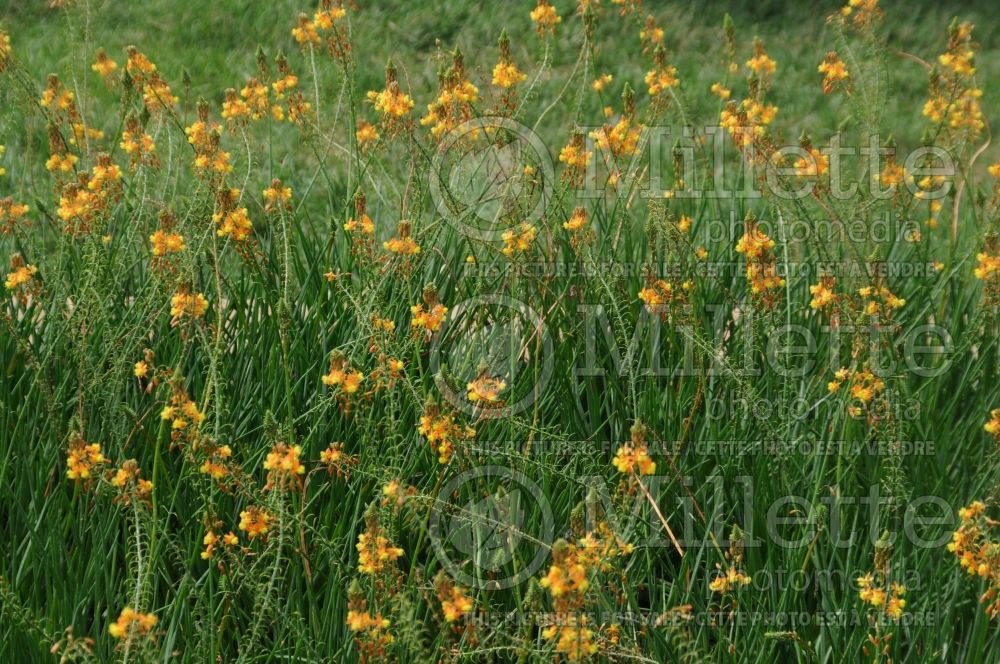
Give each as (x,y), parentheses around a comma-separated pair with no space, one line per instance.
(553,350)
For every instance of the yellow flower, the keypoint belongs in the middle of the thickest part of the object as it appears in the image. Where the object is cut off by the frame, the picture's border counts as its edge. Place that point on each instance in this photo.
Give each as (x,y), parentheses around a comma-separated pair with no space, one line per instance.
(277,195)
(404,246)
(822,293)
(721,91)
(305,33)
(618,140)
(518,241)
(82,459)
(834,71)
(283,463)
(987,266)
(761,63)
(166,243)
(428,319)
(658,294)
(132,622)
(183,304)
(391,102)
(255,521)
(545,18)
(375,552)
(485,390)
(630,459)
(61,162)
(366,134)
(573,155)
(330,455)
(601,82)
(731,579)
(104,65)
(573,638)
(992,427)
(234,223)
(816,163)
(365,224)
(455,605)
(21,276)
(507,75)
(660,79)
(577,220)
(4,50)
(892,174)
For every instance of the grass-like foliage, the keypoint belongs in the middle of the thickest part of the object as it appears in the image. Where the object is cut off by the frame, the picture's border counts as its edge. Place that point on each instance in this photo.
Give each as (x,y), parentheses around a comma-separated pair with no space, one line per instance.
(576,331)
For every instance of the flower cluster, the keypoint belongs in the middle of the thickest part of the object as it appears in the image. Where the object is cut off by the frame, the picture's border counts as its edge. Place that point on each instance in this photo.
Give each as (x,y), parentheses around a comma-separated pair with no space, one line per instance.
(728,581)
(954,98)
(336,460)
(216,463)
(324,23)
(879,301)
(576,157)
(873,592)
(283,464)
(5,51)
(545,18)
(342,375)
(485,390)
(138,145)
(255,521)
(453,105)
(82,459)
(568,580)
(11,214)
(146,79)
(505,73)
(573,637)
(127,480)
(403,244)
(375,551)
(104,66)
(164,242)
(834,72)
(442,431)
(762,265)
(865,389)
(659,294)
(618,140)
(428,316)
(823,295)
(978,551)
(277,196)
(131,623)
(186,304)
(211,540)
(392,103)
(371,631)
(992,426)
(454,602)
(182,413)
(518,241)
(633,457)
(662,77)
(21,279)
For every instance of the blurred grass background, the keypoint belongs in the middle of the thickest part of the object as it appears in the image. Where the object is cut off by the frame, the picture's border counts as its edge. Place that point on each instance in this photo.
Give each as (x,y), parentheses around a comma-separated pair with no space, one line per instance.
(215,42)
